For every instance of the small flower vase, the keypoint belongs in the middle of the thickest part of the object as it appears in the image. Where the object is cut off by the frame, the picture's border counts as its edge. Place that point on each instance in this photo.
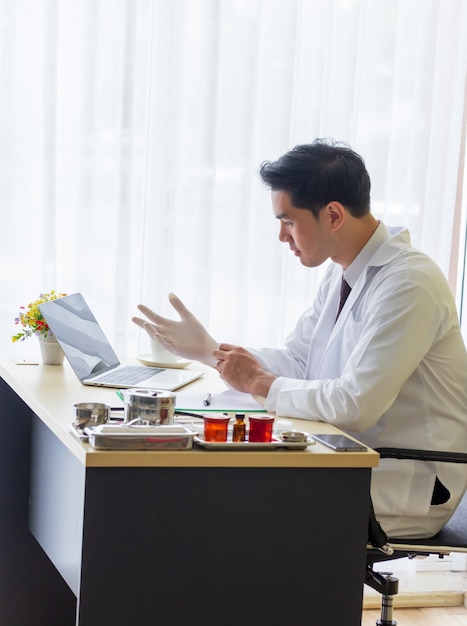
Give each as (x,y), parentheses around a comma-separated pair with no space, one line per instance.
(51,351)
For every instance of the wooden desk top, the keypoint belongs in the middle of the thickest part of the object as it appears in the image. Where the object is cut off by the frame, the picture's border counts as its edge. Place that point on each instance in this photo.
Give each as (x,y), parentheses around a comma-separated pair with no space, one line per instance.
(51,390)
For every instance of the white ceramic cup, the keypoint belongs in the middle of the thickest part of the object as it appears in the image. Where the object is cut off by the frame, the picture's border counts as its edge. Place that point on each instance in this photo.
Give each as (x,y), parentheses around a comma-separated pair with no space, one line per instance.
(160,354)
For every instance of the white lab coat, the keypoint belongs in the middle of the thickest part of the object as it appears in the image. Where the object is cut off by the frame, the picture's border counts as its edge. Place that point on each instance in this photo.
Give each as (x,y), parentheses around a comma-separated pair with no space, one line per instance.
(391,371)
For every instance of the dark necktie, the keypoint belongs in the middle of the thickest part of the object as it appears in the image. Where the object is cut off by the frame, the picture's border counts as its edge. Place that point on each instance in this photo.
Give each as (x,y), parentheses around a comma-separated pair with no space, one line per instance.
(345,290)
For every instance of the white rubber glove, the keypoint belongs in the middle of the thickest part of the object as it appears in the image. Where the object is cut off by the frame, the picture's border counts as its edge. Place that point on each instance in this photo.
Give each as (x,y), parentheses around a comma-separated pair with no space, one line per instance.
(187,338)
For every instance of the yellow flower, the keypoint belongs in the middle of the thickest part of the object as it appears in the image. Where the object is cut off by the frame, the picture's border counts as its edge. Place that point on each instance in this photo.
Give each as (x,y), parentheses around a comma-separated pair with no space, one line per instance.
(30,318)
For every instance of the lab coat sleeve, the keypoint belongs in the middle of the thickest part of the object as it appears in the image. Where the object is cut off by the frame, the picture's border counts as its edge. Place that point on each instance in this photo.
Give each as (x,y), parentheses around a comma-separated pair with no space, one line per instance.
(377,348)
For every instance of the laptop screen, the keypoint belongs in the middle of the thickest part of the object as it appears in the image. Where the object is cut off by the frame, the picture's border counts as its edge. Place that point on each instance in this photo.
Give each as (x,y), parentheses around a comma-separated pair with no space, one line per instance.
(77,331)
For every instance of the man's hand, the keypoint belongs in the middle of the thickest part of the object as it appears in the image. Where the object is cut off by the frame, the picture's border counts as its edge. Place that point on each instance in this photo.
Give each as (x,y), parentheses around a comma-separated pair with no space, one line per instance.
(242,371)
(187,338)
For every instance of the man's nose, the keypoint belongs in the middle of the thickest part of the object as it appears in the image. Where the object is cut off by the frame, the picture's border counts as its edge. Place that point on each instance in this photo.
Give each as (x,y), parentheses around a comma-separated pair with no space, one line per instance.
(284,236)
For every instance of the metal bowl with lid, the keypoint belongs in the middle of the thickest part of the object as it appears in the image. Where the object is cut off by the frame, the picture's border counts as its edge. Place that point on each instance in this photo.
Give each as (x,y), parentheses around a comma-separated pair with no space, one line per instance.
(149,406)
(90,414)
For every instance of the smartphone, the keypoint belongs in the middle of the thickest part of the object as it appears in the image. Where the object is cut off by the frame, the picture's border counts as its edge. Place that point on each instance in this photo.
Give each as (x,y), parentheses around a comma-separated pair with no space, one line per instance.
(340,443)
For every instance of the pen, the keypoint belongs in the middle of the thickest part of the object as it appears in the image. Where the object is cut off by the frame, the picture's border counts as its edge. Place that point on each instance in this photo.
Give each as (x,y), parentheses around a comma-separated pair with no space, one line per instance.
(207,400)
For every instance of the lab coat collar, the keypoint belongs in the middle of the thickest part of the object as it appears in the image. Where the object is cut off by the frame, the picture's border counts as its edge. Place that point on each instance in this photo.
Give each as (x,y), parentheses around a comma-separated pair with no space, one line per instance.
(397,241)
(384,245)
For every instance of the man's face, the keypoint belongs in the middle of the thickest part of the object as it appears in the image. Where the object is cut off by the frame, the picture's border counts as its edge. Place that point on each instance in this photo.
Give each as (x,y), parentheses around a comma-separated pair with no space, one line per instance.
(307,236)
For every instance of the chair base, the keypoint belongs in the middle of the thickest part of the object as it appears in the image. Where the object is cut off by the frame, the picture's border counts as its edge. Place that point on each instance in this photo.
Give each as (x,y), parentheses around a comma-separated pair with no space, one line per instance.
(388,586)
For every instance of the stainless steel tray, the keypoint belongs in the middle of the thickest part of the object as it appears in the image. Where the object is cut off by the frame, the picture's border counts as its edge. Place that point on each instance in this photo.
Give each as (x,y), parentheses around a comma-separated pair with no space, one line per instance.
(275,444)
(124,437)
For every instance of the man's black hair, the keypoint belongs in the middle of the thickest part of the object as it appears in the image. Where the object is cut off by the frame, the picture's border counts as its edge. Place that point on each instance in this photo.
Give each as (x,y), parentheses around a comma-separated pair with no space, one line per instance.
(318,173)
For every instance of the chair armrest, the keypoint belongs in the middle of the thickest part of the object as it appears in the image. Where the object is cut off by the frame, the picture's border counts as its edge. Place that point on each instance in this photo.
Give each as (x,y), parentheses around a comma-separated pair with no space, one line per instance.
(422,455)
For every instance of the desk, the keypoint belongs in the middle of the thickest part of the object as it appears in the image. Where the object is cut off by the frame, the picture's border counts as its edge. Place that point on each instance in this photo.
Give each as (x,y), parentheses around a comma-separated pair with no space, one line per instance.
(170,538)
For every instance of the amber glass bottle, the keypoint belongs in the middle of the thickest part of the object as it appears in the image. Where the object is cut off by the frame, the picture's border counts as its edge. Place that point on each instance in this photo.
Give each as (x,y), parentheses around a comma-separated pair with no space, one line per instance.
(239,428)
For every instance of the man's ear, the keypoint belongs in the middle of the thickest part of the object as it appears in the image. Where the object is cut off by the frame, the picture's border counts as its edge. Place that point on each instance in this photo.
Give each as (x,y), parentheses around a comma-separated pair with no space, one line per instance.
(336,214)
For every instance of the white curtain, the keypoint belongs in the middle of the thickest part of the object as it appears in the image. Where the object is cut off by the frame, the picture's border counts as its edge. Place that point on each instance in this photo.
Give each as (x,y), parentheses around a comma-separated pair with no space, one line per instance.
(131,133)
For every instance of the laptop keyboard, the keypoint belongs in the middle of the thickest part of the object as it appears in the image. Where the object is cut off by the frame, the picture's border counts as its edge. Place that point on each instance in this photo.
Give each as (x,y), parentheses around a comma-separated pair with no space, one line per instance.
(129,375)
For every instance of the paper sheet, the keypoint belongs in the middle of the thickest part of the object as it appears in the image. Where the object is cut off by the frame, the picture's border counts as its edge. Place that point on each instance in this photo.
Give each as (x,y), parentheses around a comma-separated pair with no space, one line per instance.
(229,401)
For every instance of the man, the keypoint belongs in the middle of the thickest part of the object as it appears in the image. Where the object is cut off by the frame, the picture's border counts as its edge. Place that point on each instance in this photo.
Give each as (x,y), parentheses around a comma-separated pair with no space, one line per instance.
(387,365)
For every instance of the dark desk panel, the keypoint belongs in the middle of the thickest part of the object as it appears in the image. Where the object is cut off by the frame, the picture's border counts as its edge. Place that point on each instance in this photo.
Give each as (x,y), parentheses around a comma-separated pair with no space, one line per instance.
(27,577)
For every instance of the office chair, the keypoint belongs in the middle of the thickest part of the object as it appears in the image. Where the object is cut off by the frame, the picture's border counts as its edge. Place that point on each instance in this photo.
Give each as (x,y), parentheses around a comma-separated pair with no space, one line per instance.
(451,538)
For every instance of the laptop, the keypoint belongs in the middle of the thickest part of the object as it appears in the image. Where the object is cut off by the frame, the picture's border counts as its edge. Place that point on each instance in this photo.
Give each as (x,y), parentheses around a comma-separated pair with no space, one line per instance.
(92,357)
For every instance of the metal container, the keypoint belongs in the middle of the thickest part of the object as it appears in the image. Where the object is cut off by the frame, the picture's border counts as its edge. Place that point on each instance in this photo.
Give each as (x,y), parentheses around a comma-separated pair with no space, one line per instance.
(149,406)
(293,435)
(91,414)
